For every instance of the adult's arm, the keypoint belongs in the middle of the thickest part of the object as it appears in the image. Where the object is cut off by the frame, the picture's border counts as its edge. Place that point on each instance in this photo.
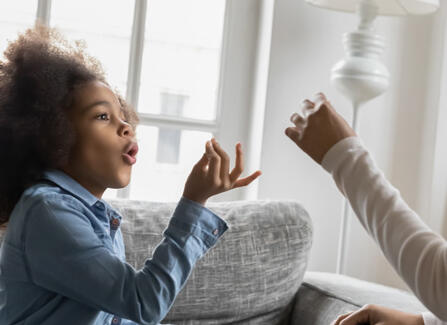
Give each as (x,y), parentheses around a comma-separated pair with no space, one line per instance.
(417,253)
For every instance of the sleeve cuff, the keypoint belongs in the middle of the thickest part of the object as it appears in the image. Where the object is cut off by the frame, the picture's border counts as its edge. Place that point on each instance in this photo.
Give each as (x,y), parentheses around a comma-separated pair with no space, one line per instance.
(430,319)
(333,156)
(193,218)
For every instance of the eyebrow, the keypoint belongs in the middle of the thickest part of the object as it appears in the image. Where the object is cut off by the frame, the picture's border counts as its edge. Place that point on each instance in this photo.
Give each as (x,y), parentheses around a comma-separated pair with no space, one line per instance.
(100,102)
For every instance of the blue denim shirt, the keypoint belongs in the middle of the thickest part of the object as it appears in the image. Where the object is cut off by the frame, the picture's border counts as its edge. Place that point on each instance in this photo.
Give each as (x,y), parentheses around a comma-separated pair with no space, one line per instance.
(62,259)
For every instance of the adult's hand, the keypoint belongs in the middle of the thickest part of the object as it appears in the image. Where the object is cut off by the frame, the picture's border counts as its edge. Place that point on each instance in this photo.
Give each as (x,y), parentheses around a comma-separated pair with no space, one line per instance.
(379,315)
(322,129)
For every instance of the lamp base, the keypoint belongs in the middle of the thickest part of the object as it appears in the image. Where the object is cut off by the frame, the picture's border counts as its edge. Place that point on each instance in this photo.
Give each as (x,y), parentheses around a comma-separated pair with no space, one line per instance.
(361,76)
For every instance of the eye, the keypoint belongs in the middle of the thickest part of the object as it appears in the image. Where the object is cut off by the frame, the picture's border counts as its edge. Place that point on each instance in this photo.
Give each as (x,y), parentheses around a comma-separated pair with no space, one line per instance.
(103,117)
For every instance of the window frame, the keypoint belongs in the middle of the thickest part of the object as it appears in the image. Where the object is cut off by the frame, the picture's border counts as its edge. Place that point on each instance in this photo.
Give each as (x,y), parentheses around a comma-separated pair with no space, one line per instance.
(237,74)
(133,86)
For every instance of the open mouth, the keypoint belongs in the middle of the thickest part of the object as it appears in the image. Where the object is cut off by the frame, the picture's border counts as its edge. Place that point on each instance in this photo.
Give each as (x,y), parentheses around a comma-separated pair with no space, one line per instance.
(129,155)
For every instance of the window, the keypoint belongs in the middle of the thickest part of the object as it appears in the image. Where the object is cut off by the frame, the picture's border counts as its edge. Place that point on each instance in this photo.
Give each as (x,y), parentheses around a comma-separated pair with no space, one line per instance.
(107,38)
(182,53)
(169,138)
(161,181)
(176,61)
(177,93)
(15,17)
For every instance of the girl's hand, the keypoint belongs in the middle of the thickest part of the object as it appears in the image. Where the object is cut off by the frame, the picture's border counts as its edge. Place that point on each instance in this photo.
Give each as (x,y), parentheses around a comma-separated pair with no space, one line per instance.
(378,315)
(211,176)
(321,131)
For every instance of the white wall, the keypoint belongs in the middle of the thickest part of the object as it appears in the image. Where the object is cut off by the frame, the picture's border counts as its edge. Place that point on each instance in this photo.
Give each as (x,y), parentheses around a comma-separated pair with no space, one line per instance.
(306,43)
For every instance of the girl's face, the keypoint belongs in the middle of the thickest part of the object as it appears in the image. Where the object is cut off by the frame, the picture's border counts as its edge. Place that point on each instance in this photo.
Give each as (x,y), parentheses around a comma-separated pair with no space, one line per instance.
(104,140)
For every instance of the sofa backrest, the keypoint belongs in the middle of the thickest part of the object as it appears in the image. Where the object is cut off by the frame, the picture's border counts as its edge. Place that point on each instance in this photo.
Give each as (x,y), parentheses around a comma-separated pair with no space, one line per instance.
(250,277)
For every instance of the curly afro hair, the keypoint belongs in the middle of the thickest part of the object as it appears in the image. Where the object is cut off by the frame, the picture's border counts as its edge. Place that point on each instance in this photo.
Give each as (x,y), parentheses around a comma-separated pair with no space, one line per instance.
(38,74)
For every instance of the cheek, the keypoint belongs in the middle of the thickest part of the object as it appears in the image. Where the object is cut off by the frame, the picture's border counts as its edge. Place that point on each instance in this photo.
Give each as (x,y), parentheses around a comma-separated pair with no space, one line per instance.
(100,151)
(104,151)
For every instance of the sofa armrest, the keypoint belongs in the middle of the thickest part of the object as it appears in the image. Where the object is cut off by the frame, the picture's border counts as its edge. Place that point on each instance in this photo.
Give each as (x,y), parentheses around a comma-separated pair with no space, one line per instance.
(324,296)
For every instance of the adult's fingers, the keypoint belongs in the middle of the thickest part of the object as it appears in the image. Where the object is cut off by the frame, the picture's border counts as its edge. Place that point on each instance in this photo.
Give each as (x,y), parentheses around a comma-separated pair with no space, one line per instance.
(320,94)
(359,317)
(224,163)
(319,98)
(214,164)
(340,318)
(300,125)
(294,134)
(298,119)
(239,166)
(311,107)
(247,180)
(307,104)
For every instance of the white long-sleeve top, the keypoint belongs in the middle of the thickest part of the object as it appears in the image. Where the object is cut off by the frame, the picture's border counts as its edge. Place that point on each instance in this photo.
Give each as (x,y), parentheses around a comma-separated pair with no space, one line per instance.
(417,253)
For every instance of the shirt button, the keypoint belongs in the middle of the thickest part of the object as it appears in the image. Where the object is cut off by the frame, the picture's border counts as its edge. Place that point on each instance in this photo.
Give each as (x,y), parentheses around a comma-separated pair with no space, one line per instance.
(115,320)
(99,205)
(116,222)
(215,232)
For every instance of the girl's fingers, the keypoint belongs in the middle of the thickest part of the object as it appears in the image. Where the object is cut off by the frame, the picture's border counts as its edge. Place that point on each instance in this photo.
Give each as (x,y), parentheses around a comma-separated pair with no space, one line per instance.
(239,167)
(224,162)
(214,163)
(202,164)
(247,180)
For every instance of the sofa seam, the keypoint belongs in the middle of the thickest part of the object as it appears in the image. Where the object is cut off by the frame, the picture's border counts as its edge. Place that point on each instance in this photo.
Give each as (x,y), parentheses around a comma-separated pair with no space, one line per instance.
(311,286)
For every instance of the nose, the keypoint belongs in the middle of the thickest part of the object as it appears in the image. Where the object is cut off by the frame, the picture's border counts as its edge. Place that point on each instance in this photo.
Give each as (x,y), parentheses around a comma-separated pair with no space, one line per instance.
(126,130)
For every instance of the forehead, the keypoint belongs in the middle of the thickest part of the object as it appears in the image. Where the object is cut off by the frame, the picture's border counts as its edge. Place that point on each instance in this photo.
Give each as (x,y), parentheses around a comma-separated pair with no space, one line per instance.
(94,91)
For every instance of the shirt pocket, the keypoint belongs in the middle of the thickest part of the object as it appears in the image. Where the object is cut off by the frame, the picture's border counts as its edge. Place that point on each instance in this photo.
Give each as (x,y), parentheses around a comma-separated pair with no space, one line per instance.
(106,240)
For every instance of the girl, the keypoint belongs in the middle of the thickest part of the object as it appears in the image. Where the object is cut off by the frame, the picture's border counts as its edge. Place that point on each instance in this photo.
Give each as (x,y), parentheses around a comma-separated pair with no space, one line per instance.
(66,137)
(417,253)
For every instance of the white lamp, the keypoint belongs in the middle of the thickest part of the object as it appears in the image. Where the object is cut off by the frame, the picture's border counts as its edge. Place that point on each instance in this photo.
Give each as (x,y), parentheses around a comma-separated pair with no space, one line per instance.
(361,76)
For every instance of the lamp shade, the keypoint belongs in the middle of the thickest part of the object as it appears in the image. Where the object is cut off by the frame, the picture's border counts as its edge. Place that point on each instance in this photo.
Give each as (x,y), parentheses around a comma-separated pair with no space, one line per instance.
(385,7)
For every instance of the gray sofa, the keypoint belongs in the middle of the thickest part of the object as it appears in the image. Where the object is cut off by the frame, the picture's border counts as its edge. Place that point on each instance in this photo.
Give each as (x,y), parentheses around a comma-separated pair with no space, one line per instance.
(256,274)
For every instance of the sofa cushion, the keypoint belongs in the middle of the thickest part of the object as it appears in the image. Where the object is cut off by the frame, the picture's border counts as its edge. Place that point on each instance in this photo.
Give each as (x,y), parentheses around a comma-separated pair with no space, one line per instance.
(325,296)
(252,274)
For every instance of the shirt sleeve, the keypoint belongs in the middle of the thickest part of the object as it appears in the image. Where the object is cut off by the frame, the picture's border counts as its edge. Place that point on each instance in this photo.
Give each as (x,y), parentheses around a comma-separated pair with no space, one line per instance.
(430,319)
(65,255)
(417,253)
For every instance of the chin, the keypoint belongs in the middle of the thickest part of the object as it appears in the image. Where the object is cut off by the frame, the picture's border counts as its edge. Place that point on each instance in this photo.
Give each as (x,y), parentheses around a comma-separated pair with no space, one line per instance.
(122,179)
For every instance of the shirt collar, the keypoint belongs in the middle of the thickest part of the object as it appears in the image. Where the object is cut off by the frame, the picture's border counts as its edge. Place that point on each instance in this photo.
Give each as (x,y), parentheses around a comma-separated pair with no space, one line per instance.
(70,185)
